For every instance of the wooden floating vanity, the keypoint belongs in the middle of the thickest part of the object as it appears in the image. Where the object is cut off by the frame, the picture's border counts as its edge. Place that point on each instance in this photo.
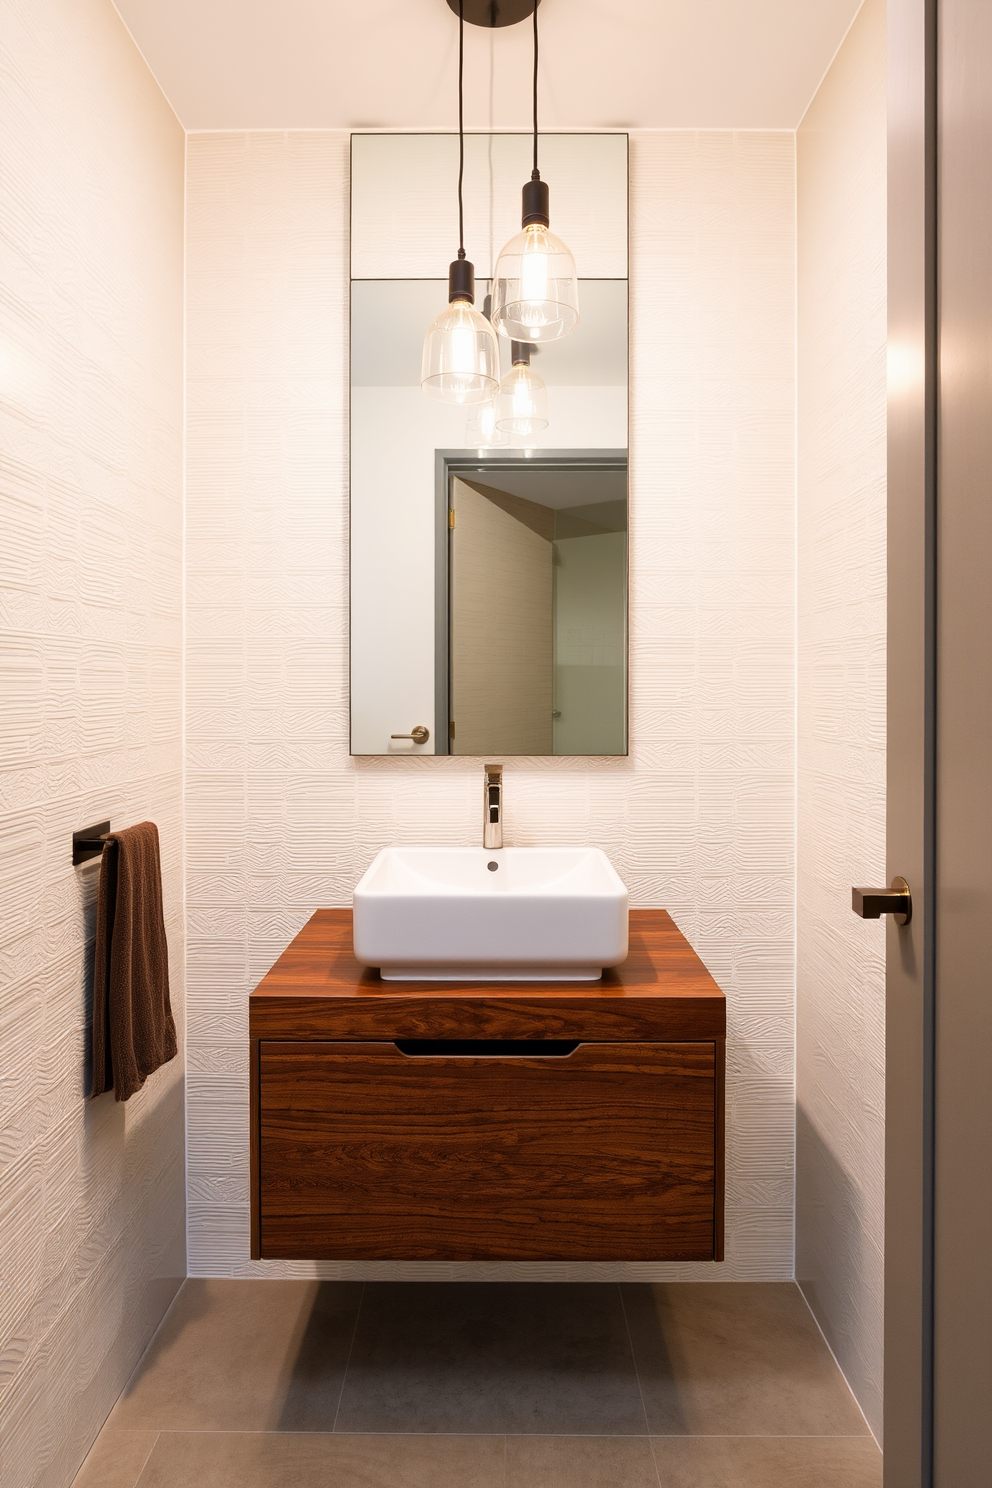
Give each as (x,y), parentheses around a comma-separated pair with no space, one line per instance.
(403,1121)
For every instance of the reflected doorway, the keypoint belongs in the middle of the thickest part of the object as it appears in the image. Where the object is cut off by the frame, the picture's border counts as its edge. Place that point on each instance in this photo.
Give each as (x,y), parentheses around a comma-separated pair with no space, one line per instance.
(532,604)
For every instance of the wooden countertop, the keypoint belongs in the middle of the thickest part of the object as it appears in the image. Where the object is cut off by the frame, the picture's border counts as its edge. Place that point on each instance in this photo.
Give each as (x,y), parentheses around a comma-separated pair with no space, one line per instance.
(317,990)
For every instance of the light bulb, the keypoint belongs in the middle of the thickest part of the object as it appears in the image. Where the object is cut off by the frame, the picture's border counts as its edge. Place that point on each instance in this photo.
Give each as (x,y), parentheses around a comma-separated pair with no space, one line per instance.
(481,431)
(536,286)
(461,356)
(523,398)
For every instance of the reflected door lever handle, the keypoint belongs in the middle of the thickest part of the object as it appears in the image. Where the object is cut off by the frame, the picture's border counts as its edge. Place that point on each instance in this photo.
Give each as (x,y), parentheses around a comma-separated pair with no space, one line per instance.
(871,904)
(419,735)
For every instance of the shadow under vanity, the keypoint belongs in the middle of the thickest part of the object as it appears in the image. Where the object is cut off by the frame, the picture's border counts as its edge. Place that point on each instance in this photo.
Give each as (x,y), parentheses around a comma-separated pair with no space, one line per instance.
(487,1121)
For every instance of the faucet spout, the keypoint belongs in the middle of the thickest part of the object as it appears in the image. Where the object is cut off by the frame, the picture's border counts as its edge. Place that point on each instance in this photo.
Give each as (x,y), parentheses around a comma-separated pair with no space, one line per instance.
(492,820)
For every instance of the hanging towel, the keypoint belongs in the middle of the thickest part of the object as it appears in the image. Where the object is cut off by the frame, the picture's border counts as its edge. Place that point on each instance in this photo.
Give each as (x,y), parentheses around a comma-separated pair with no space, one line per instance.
(133,1029)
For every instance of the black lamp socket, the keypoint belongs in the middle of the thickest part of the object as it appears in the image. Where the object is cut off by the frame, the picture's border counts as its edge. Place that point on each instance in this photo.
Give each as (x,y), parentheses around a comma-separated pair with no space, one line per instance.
(536,204)
(461,281)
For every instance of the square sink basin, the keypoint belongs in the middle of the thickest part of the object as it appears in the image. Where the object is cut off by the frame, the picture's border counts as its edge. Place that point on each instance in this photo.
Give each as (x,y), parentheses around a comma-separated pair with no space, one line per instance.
(474,914)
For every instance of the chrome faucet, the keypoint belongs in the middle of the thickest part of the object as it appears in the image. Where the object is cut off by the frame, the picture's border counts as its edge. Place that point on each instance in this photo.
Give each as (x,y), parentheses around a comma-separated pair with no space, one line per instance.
(492,820)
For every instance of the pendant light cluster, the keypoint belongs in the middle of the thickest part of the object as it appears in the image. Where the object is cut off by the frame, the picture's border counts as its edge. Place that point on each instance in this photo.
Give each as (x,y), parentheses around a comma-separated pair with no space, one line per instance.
(535,298)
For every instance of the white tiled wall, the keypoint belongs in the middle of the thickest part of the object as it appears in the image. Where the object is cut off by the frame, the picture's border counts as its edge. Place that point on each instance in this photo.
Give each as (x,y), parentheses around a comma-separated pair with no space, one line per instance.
(91,214)
(699,819)
(841,752)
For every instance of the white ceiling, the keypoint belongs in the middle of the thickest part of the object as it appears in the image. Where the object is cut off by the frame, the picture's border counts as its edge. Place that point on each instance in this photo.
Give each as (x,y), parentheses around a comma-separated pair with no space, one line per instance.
(559,489)
(362,64)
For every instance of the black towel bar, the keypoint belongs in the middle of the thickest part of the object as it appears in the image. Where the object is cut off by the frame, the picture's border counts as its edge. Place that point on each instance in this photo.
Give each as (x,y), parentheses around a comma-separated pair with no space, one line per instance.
(88,842)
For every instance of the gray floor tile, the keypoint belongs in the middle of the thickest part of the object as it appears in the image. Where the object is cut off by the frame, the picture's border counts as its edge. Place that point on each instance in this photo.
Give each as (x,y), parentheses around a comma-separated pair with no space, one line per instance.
(438,1357)
(207,1459)
(768,1462)
(245,1356)
(579,1462)
(115,1460)
(735,1359)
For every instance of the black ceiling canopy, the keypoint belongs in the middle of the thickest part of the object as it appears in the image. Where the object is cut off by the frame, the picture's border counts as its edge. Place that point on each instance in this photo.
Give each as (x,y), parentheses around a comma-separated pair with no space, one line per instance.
(495,12)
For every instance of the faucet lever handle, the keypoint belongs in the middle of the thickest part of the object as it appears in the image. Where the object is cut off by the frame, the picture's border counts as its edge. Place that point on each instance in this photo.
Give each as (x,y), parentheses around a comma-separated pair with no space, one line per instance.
(492,778)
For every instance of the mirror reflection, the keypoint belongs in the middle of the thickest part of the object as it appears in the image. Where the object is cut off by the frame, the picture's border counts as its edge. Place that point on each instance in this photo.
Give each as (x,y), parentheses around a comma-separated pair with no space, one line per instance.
(536,606)
(488,541)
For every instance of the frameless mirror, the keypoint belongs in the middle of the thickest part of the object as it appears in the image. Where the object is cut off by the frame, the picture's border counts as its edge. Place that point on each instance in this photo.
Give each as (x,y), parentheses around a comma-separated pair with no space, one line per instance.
(488,566)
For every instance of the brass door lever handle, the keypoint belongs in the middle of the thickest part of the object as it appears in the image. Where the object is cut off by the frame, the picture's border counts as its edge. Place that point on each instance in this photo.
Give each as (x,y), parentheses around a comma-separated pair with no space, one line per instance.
(419,735)
(871,904)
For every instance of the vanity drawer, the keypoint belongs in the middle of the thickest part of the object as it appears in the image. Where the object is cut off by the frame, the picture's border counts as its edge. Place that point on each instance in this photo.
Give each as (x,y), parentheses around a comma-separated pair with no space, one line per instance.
(608,1152)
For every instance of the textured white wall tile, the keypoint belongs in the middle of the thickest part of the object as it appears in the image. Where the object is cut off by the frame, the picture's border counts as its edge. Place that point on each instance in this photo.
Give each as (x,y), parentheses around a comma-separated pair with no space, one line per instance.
(841,713)
(699,818)
(92,1233)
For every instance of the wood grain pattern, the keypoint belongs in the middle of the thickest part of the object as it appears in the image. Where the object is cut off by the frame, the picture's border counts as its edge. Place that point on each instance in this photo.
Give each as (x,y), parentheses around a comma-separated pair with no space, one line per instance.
(318,990)
(254,1151)
(720,1150)
(607,1154)
(612,1153)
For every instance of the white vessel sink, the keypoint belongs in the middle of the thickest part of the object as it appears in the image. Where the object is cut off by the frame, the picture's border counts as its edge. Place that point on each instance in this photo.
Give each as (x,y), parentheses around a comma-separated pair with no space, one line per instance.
(447,914)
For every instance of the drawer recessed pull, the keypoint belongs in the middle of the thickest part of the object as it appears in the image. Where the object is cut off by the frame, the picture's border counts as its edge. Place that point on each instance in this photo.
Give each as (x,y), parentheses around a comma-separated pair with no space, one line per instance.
(490,1048)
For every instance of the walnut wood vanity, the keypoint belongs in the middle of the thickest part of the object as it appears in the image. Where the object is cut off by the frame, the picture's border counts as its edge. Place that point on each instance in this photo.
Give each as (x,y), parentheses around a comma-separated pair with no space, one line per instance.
(499,1121)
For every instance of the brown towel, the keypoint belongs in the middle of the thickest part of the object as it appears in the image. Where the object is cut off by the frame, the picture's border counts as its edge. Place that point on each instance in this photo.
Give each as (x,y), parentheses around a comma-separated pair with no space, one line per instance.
(133,1030)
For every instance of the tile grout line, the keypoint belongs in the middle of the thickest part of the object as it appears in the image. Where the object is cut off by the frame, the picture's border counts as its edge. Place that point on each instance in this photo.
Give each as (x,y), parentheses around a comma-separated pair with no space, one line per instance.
(633,1358)
(840,1371)
(654,1459)
(137,1366)
(146,1460)
(637,1376)
(863,1436)
(347,1362)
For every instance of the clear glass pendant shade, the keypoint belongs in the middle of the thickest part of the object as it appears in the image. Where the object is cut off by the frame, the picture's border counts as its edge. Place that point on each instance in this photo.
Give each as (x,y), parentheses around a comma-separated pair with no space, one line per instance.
(536,287)
(481,431)
(523,402)
(461,356)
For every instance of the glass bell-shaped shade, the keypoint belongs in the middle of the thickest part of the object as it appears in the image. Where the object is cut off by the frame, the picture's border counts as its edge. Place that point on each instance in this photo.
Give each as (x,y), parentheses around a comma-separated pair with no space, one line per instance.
(481,431)
(523,401)
(536,288)
(461,356)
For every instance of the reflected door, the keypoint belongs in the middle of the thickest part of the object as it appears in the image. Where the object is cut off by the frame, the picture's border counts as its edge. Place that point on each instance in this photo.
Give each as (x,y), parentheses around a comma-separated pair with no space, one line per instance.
(501,686)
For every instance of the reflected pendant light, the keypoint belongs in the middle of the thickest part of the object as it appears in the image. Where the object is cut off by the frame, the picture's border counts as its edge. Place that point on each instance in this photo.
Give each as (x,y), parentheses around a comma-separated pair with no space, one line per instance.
(481,431)
(461,353)
(536,289)
(523,398)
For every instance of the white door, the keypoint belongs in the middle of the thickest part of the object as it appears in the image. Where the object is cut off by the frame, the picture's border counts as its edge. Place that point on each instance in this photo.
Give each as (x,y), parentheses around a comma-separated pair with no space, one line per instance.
(501,636)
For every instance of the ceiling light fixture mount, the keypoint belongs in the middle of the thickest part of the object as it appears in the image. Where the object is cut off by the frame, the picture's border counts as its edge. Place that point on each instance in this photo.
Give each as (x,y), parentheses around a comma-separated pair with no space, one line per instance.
(493,13)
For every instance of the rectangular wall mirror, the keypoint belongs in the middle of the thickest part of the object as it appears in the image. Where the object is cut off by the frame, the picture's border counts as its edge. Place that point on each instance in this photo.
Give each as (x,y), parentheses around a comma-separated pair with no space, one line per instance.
(488,569)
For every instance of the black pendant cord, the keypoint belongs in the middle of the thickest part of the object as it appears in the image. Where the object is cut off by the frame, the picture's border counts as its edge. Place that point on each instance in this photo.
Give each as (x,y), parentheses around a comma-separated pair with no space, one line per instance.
(461,125)
(461,274)
(535,173)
